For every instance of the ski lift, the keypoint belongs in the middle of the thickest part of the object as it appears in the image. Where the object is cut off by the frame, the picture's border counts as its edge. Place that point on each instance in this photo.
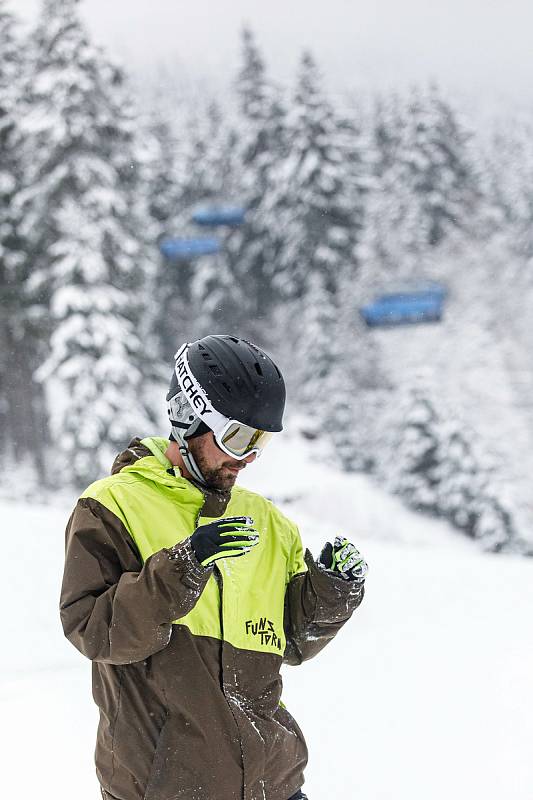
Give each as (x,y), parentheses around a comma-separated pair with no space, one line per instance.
(213,216)
(415,289)
(187,249)
(411,303)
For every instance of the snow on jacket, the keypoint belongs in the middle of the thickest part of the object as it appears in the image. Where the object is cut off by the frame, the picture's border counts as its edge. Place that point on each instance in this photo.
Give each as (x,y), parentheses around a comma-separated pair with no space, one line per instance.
(186,659)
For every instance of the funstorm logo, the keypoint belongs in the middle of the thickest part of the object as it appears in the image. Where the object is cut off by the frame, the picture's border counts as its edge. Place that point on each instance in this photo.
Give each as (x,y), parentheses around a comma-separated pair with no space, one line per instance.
(264,630)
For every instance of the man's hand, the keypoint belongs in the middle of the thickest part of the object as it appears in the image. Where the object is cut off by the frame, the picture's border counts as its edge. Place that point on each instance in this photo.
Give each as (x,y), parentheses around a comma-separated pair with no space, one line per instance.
(344,558)
(224,538)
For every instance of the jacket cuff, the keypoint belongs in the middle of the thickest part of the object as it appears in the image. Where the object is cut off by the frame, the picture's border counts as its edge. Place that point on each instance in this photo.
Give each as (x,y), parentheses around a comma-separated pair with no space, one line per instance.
(336,597)
(192,572)
(336,575)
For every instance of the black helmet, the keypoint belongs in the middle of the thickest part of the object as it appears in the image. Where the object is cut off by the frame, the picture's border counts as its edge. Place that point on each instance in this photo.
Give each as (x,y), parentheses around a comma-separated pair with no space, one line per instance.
(233,378)
(241,381)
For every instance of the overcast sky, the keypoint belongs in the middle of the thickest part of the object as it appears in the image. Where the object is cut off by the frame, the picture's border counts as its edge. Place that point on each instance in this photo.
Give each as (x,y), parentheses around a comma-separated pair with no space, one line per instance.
(480,48)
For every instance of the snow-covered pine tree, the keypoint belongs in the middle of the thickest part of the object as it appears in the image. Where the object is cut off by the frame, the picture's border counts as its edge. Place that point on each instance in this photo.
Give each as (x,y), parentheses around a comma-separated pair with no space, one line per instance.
(512,171)
(357,392)
(211,164)
(427,187)
(309,334)
(201,153)
(509,177)
(82,210)
(387,127)
(164,180)
(466,495)
(361,158)
(9,155)
(433,461)
(408,458)
(193,168)
(319,207)
(261,143)
(314,208)
(436,151)
(490,370)
(335,373)
(22,425)
(168,310)
(359,386)
(393,246)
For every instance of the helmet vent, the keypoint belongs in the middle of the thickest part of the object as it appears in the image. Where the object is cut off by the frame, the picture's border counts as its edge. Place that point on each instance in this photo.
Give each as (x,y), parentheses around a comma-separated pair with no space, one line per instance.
(226,386)
(258,369)
(215,369)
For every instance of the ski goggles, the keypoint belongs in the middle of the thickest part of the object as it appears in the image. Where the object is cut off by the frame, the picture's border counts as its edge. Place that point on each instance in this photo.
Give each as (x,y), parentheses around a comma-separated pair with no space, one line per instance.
(240,441)
(233,437)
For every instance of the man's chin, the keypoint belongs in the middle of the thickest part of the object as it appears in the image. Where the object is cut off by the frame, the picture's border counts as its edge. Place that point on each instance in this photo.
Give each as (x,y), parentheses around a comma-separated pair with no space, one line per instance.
(223,480)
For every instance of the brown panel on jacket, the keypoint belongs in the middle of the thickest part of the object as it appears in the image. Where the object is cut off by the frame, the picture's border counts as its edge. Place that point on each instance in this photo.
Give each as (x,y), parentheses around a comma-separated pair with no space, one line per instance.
(317,604)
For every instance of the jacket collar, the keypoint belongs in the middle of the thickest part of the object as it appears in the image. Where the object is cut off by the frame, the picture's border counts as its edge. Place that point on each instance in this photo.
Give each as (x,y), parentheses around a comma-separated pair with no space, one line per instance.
(147,457)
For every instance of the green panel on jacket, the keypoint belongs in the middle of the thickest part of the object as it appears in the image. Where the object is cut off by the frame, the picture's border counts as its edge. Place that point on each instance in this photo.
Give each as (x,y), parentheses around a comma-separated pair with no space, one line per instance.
(160,508)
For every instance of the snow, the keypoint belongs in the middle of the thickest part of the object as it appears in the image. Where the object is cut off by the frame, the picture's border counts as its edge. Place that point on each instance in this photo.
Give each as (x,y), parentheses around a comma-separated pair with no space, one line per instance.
(426,693)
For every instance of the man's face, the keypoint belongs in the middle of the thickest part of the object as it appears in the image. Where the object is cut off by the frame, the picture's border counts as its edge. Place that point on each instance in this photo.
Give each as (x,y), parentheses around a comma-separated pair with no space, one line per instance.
(219,470)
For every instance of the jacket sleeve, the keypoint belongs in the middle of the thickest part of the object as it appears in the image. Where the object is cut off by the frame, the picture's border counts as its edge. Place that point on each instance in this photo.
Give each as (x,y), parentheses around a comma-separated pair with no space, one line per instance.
(317,604)
(113,608)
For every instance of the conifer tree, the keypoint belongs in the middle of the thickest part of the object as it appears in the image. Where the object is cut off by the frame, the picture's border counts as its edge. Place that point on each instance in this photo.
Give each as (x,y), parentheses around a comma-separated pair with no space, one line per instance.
(415,445)
(427,186)
(435,150)
(316,211)
(393,246)
(508,241)
(465,491)
(336,374)
(164,179)
(83,211)
(193,168)
(435,464)
(205,155)
(262,142)
(321,194)
(168,309)
(22,425)
(387,129)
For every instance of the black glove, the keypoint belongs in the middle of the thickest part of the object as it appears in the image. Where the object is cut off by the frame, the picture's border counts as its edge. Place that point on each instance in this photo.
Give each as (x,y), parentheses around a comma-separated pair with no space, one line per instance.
(344,558)
(224,538)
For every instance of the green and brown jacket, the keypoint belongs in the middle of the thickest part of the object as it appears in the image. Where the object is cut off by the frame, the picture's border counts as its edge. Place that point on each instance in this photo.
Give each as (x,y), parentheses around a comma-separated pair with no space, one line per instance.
(186,659)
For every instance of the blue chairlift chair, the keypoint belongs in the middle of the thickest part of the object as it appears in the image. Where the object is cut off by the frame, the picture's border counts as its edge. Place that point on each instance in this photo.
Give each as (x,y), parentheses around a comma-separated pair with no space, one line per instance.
(187,249)
(213,216)
(411,303)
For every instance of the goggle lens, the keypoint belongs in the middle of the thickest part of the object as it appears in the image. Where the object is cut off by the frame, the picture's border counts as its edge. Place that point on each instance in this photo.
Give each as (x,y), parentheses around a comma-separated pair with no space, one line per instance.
(240,440)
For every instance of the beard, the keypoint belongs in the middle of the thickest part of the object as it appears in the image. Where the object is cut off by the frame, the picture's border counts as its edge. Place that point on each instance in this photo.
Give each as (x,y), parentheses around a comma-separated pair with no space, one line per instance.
(216,476)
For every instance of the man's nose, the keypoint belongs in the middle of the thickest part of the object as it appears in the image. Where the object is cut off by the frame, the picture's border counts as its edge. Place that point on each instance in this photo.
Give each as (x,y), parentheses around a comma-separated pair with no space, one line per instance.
(250,458)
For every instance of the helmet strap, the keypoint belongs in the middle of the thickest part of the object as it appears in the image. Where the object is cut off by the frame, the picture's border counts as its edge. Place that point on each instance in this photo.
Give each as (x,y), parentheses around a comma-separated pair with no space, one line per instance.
(190,463)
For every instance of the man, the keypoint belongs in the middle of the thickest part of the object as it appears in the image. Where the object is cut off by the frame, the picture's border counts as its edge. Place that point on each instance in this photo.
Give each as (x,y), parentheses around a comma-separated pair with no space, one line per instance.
(188,594)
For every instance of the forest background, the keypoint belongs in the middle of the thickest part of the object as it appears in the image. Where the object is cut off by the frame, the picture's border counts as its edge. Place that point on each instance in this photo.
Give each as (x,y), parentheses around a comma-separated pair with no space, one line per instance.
(345,198)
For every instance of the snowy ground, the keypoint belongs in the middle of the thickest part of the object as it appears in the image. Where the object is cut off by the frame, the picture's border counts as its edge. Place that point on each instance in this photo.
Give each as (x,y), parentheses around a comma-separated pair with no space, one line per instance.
(426,694)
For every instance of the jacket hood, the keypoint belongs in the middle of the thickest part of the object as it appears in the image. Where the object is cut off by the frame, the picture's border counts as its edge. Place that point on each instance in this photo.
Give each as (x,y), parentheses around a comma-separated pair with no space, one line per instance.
(146,458)
(135,450)
(158,467)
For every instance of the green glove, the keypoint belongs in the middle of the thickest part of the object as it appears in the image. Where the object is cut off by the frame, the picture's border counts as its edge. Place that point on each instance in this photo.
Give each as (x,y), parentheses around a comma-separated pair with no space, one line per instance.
(344,558)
